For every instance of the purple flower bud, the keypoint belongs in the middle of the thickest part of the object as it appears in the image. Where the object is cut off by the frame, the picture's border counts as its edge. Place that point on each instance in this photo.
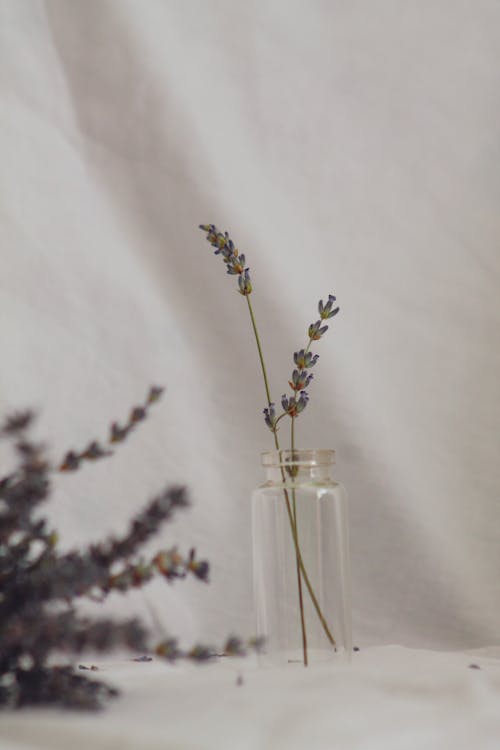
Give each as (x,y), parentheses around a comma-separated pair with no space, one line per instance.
(325,309)
(304,360)
(270,417)
(71,462)
(300,380)
(308,380)
(302,402)
(316,331)
(244,282)
(138,413)
(299,358)
(154,393)
(293,406)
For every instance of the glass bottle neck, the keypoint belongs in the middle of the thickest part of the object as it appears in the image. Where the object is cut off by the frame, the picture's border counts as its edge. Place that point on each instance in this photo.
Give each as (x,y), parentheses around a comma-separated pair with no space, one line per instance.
(299,466)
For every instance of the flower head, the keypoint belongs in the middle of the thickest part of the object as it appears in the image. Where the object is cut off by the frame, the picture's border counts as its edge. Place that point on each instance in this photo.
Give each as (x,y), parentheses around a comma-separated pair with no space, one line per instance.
(235,264)
(244,282)
(231,256)
(293,405)
(325,309)
(304,359)
(316,330)
(300,380)
(270,417)
(154,393)
(16,422)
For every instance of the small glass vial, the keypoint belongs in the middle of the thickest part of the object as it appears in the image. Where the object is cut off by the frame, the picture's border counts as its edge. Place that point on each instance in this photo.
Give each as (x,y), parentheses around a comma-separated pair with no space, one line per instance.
(301,559)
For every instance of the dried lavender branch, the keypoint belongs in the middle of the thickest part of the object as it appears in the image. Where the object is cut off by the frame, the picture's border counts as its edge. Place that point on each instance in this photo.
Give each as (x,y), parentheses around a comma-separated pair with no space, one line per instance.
(61,686)
(169,649)
(168,563)
(54,686)
(94,451)
(37,636)
(38,585)
(77,573)
(293,406)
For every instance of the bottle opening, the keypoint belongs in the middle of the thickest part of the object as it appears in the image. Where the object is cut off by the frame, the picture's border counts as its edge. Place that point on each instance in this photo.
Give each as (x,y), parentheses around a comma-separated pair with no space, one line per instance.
(323,457)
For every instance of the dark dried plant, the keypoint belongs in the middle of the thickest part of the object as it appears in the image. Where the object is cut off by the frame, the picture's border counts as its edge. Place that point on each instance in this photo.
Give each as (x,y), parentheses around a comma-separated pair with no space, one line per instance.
(39,584)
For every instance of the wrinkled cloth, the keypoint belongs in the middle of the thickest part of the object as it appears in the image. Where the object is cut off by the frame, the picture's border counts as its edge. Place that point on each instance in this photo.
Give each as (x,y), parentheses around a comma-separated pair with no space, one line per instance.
(350,148)
(387,698)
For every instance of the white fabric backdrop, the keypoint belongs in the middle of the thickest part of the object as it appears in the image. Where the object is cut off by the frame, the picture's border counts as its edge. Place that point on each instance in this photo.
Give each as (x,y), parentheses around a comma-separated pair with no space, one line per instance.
(388,698)
(349,148)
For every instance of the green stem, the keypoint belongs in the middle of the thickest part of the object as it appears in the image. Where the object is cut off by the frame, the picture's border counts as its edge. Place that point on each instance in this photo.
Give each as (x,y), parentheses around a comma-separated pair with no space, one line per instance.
(261,356)
(304,571)
(299,577)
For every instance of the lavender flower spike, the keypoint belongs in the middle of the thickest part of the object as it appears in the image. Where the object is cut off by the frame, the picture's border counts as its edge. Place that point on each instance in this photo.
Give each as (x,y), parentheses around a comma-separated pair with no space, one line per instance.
(235,262)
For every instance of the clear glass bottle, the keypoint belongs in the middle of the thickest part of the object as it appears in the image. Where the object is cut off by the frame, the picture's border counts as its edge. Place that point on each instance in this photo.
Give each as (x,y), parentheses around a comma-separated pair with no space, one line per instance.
(300,526)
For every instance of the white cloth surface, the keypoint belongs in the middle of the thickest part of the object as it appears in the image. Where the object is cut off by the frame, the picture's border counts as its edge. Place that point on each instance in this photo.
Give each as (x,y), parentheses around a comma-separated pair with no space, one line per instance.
(389,698)
(349,147)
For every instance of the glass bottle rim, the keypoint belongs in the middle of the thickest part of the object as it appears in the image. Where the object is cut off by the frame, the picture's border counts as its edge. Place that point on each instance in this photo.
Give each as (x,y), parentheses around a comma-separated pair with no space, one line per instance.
(298,457)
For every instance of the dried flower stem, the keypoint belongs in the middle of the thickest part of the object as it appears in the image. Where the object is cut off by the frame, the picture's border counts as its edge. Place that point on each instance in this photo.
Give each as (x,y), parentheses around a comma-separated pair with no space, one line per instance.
(300,562)
(261,357)
(94,450)
(276,441)
(299,577)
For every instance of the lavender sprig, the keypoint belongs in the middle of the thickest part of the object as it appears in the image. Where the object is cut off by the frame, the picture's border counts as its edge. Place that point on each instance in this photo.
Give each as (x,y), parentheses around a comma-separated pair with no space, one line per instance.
(72,459)
(235,264)
(168,563)
(301,377)
(234,260)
